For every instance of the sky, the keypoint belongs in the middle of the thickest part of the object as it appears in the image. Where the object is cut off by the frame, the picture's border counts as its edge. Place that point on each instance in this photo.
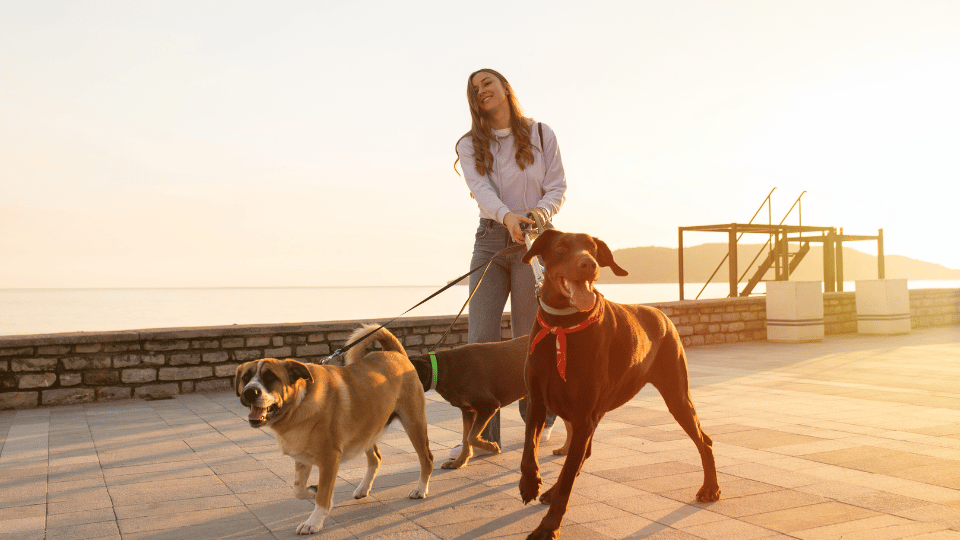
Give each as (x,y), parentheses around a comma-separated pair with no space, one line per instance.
(311,143)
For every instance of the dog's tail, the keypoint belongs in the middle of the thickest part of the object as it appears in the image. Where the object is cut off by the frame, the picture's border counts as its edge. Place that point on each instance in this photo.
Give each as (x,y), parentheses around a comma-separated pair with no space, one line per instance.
(387,341)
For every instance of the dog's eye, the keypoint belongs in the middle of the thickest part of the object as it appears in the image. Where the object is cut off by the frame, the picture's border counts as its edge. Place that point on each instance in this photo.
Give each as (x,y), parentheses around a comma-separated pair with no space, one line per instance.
(268,377)
(246,377)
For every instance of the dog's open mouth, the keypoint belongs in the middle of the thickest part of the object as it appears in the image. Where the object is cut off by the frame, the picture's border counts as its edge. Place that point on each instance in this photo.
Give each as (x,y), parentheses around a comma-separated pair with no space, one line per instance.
(580,293)
(258,415)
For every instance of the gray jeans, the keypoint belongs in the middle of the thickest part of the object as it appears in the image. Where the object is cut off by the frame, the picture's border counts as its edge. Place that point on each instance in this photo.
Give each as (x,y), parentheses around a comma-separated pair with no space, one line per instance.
(507,277)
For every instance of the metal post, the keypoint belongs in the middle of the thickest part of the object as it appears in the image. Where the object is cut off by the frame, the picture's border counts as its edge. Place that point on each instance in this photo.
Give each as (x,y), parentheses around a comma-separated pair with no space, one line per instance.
(829,263)
(784,257)
(680,260)
(839,258)
(777,259)
(732,246)
(881,273)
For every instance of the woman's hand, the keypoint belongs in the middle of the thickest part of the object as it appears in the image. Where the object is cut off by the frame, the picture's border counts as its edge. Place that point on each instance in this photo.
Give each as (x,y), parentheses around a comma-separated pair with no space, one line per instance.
(512,222)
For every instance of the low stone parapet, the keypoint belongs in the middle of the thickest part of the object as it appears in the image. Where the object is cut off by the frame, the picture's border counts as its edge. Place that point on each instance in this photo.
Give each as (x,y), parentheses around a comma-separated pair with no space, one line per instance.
(83,367)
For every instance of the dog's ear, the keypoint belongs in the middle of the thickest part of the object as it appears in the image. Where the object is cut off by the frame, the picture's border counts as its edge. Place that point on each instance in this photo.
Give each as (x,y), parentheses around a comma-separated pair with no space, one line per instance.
(296,370)
(605,258)
(236,378)
(540,245)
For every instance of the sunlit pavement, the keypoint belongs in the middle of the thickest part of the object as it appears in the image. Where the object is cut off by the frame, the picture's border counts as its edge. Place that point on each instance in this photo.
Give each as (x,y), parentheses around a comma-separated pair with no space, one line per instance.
(855,437)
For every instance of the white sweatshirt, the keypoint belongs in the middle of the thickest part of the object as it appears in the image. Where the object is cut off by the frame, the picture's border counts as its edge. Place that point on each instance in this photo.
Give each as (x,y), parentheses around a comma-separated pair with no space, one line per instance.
(541,184)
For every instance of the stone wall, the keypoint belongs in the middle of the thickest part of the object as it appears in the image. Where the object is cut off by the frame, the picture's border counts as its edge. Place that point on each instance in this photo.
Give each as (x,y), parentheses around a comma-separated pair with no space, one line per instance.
(934,307)
(839,313)
(61,369)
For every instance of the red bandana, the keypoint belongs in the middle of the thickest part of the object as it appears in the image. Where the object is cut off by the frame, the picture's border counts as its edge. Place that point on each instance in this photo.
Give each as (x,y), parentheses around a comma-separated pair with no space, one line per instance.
(561,339)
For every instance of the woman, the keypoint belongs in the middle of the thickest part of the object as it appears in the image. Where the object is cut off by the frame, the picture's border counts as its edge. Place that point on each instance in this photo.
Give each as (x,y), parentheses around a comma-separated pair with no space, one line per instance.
(512,166)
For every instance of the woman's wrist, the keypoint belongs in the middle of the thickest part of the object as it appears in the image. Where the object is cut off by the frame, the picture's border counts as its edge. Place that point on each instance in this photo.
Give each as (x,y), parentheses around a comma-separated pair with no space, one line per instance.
(541,213)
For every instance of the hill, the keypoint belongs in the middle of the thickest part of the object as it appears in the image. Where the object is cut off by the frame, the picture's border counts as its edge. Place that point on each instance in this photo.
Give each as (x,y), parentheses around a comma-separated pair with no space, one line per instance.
(654,264)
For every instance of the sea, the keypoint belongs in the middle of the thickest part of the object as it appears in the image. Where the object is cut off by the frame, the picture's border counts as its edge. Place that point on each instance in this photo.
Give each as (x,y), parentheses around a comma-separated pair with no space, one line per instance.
(46,311)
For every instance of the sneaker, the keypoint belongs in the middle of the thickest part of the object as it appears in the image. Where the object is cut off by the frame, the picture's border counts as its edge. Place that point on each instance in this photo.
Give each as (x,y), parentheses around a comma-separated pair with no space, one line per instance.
(455,451)
(545,436)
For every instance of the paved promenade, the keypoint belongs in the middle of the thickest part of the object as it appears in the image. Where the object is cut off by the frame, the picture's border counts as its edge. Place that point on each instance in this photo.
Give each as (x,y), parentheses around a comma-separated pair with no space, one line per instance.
(855,437)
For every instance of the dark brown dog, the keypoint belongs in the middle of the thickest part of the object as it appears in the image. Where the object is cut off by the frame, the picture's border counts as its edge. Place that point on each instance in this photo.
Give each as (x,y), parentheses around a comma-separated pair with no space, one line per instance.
(478,379)
(612,350)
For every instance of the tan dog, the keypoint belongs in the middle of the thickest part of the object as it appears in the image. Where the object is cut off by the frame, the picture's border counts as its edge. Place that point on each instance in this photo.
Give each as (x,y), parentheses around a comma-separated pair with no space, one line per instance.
(325,414)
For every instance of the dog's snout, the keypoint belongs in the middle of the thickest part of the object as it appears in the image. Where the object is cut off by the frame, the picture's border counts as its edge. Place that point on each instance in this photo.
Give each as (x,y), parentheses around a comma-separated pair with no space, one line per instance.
(587,263)
(252,394)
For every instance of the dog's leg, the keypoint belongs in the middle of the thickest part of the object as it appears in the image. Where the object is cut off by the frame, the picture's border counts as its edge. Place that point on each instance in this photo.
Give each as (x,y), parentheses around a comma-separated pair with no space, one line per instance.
(565,449)
(681,407)
(674,386)
(485,412)
(414,424)
(466,452)
(329,464)
(301,475)
(558,497)
(373,465)
(529,467)
(545,498)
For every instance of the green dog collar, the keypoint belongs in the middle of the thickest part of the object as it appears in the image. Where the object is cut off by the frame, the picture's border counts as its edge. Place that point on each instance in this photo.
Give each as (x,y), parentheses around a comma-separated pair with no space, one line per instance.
(433,371)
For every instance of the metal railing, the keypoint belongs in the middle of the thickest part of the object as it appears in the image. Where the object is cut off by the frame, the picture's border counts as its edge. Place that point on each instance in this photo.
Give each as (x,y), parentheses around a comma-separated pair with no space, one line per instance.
(767,246)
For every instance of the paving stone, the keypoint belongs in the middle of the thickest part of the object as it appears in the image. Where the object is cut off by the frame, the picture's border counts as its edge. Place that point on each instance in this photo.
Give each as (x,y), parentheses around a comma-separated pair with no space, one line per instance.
(160,491)
(102,529)
(808,517)
(812,441)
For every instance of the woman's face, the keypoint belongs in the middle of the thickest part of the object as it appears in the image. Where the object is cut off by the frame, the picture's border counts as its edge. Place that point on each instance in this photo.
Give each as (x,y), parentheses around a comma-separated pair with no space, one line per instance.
(491,95)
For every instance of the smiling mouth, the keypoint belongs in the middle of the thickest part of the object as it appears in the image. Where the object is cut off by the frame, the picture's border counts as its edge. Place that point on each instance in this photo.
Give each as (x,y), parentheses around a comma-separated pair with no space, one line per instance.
(259,414)
(579,293)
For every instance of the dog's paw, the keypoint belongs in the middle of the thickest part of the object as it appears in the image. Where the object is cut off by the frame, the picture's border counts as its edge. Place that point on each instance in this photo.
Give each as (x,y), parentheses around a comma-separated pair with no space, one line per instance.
(309,528)
(360,493)
(544,534)
(708,494)
(547,495)
(529,489)
(453,464)
(562,451)
(419,492)
(309,493)
(485,447)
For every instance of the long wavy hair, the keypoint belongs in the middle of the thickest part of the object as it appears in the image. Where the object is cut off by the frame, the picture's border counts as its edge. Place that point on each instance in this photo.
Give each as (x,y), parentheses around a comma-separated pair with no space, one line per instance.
(482,132)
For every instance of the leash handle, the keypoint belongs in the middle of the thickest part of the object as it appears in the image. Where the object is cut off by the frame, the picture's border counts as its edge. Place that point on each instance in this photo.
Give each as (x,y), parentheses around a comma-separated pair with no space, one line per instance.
(529,236)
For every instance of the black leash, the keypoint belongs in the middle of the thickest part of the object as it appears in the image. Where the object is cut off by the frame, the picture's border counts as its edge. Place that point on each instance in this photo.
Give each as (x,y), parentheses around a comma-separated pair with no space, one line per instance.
(505,251)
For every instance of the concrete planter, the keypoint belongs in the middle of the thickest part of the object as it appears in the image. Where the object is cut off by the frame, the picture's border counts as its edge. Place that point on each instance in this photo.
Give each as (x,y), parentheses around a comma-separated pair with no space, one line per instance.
(794,311)
(883,306)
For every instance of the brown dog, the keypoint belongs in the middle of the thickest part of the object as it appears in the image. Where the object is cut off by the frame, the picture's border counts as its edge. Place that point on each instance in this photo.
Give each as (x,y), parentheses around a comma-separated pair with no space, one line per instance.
(590,356)
(478,379)
(325,414)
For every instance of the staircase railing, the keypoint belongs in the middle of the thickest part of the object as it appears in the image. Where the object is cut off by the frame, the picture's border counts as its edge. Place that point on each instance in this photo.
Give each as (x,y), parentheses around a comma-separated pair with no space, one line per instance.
(765,267)
(766,202)
(797,204)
